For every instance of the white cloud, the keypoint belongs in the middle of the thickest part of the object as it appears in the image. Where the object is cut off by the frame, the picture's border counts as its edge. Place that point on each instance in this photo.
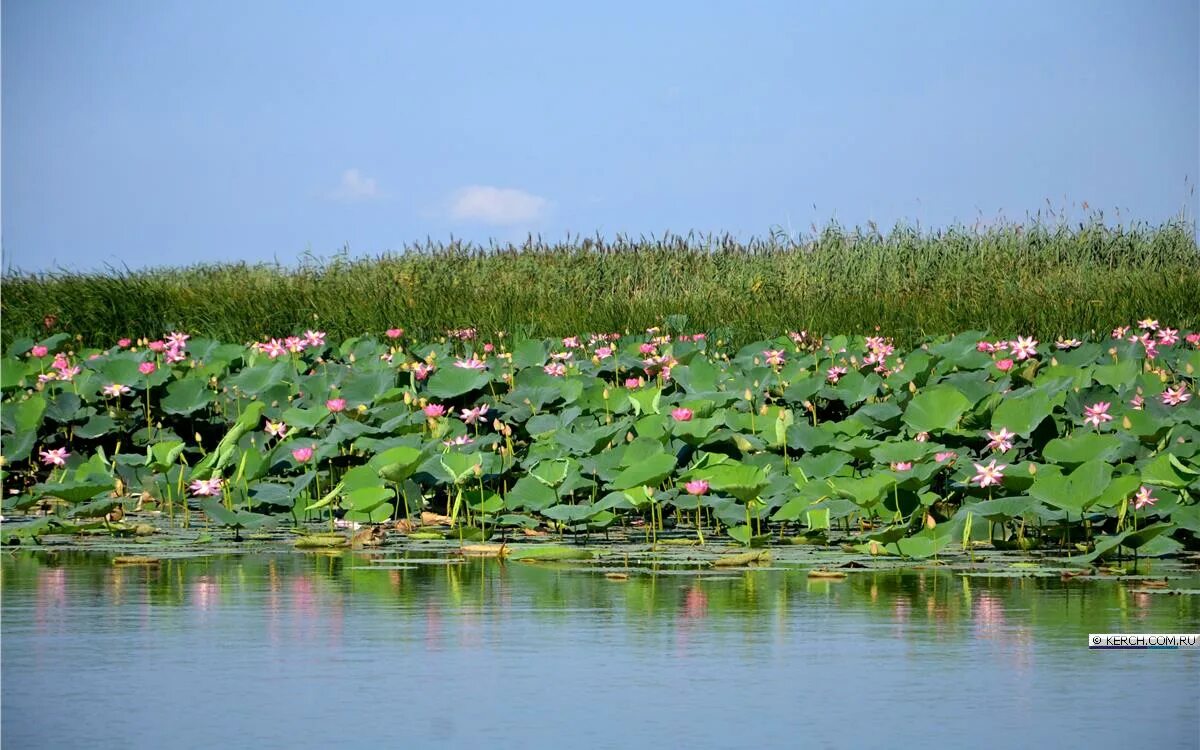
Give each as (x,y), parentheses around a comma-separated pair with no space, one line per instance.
(356,186)
(493,205)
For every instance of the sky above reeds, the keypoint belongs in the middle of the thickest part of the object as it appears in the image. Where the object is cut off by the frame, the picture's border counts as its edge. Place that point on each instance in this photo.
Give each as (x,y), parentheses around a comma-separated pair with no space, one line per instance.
(178,132)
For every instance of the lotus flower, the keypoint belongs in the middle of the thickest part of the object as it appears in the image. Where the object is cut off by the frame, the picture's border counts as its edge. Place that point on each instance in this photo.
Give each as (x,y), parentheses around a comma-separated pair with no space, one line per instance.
(276,429)
(124,343)
(1024,348)
(1148,324)
(157,346)
(901,465)
(988,475)
(394,333)
(1004,365)
(1175,396)
(55,457)
(1097,414)
(471,363)
(434,411)
(633,382)
(422,371)
(147,368)
(115,390)
(314,338)
(336,404)
(696,487)
(39,351)
(775,357)
(1001,441)
(475,414)
(206,487)
(834,374)
(681,414)
(303,454)
(1142,498)
(557,369)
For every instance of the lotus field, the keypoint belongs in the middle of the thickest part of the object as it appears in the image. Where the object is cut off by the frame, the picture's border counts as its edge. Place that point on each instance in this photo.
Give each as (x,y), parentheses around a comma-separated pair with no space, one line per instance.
(1083,448)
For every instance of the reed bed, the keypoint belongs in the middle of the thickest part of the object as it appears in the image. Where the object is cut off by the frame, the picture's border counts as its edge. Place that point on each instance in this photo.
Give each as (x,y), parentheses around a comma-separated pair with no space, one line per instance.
(1039,280)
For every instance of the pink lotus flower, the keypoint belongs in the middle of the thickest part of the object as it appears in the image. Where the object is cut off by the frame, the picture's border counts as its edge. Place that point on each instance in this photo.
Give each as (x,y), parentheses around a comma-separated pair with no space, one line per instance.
(647,348)
(1004,365)
(123,343)
(1148,324)
(989,475)
(422,371)
(147,368)
(604,352)
(55,457)
(1168,337)
(336,404)
(303,454)
(295,344)
(434,411)
(314,338)
(681,414)
(633,382)
(460,440)
(775,357)
(116,390)
(67,373)
(1097,413)
(472,363)
(276,429)
(1137,402)
(1142,498)
(1001,441)
(177,339)
(275,349)
(1024,348)
(206,487)
(834,374)
(945,456)
(1175,396)
(1193,338)
(1119,332)
(572,342)
(696,487)
(39,351)
(489,347)
(921,437)
(475,414)
(1067,343)
(157,346)
(175,355)
(985,346)
(561,356)
(901,465)
(557,369)
(394,333)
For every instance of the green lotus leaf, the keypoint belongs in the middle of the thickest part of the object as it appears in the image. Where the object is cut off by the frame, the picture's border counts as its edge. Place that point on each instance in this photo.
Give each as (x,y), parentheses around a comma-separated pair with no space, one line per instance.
(937,408)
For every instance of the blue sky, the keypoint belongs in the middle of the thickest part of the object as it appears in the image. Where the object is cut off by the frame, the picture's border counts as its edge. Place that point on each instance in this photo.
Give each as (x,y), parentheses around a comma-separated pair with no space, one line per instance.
(170,132)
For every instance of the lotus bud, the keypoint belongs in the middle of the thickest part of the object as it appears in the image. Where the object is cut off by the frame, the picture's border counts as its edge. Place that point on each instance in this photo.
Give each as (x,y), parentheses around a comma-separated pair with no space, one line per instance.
(748,395)
(762,411)
(362,408)
(929,522)
(912,387)
(1032,468)
(477,470)
(629,437)
(605,393)
(408,398)
(595,360)
(351,358)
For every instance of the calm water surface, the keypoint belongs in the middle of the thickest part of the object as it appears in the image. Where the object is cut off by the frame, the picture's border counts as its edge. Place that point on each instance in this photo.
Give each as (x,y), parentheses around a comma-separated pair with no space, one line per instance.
(290,650)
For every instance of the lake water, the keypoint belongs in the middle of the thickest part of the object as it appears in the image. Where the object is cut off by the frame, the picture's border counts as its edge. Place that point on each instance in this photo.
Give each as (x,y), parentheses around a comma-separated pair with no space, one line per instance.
(290,650)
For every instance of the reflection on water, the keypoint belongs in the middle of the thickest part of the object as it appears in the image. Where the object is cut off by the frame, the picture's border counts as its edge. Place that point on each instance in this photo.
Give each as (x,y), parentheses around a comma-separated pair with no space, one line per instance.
(304,650)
